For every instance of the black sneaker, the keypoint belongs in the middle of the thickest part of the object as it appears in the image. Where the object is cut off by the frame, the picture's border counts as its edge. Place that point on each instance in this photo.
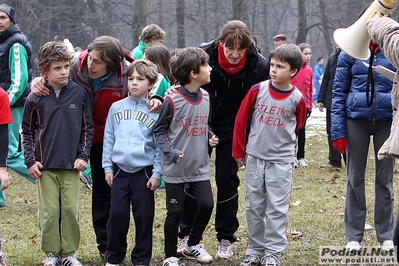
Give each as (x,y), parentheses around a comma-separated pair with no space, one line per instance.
(85,178)
(251,260)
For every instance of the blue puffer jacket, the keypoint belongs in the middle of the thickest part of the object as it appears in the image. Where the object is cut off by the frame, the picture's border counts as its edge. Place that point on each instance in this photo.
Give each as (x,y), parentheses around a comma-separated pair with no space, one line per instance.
(349,93)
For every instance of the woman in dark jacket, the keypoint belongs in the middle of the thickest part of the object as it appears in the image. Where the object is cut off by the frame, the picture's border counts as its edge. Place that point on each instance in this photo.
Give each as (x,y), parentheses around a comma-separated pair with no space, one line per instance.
(358,114)
(236,66)
(324,100)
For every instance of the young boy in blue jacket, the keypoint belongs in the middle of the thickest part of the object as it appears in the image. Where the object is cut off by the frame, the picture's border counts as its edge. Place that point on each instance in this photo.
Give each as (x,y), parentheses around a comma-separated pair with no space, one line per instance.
(132,165)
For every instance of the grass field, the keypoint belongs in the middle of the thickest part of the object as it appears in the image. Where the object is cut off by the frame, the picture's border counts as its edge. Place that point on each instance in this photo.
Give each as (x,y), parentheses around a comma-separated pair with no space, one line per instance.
(315,216)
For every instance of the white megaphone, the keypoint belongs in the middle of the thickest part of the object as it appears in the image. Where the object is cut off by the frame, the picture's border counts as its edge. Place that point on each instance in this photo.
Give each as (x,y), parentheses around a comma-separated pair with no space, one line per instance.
(355,39)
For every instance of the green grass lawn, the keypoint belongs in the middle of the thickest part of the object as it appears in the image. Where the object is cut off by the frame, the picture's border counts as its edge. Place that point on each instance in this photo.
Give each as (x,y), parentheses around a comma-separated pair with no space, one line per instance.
(315,216)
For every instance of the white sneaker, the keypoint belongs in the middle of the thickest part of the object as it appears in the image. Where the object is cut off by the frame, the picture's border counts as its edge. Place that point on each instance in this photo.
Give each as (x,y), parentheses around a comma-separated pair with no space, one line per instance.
(180,250)
(270,260)
(70,261)
(387,245)
(199,252)
(171,261)
(51,260)
(110,264)
(353,246)
(302,163)
(225,250)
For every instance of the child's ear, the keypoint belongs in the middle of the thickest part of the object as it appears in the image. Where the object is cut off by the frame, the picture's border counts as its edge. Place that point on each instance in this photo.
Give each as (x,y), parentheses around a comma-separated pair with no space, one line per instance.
(193,75)
(293,72)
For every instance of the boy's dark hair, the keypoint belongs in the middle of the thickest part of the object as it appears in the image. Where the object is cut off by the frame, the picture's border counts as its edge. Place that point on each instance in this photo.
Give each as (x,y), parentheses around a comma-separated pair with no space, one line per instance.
(186,60)
(289,53)
(152,31)
(319,58)
(235,30)
(51,52)
(145,68)
(110,49)
(159,54)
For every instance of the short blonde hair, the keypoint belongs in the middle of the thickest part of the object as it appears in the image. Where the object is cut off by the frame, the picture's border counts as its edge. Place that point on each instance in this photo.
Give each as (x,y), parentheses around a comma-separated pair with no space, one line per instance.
(150,32)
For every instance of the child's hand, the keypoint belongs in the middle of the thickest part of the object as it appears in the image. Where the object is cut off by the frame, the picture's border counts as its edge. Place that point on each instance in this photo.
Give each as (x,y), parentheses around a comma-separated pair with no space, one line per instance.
(38,88)
(153,183)
(4,179)
(34,170)
(213,141)
(240,161)
(80,165)
(109,177)
(181,156)
(155,105)
(172,89)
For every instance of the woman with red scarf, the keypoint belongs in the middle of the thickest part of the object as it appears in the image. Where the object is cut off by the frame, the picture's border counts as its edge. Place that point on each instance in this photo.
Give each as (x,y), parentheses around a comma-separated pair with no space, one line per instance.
(236,66)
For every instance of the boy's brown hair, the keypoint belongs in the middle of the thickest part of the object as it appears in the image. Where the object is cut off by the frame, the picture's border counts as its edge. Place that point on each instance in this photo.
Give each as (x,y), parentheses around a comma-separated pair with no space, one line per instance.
(150,32)
(51,52)
(235,30)
(145,68)
(289,53)
(186,60)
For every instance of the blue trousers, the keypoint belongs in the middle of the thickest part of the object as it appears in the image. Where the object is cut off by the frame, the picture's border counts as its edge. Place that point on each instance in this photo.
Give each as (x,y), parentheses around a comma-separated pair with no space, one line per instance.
(130,188)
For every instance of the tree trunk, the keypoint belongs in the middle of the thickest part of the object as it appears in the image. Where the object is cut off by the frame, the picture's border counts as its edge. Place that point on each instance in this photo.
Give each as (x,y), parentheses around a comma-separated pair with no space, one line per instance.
(139,20)
(302,22)
(240,11)
(181,38)
(324,22)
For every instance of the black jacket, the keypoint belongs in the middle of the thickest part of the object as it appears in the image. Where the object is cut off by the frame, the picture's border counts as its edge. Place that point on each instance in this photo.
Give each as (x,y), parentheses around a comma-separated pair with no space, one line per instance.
(57,131)
(227,92)
(7,39)
(325,94)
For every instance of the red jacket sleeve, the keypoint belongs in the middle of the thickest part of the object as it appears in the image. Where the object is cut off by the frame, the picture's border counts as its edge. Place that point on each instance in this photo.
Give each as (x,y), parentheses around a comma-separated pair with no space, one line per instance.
(240,125)
(300,114)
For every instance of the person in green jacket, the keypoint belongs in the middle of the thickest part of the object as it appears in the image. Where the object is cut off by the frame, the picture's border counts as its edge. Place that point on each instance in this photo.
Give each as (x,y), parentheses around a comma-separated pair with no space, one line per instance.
(150,35)
(15,75)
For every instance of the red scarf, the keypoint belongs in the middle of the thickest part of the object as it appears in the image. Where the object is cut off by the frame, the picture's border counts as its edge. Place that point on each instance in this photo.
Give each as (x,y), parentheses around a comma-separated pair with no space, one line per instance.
(230,69)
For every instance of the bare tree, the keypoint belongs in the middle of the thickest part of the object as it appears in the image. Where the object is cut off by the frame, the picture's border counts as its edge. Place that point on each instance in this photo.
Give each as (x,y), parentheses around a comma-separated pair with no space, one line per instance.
(326,27)
(139,20)
(302,22)
(190,23)
(180,10)
(240,11)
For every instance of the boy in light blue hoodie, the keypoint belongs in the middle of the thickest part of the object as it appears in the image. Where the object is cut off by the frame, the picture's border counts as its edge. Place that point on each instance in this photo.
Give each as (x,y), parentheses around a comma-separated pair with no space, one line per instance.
(132,165)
